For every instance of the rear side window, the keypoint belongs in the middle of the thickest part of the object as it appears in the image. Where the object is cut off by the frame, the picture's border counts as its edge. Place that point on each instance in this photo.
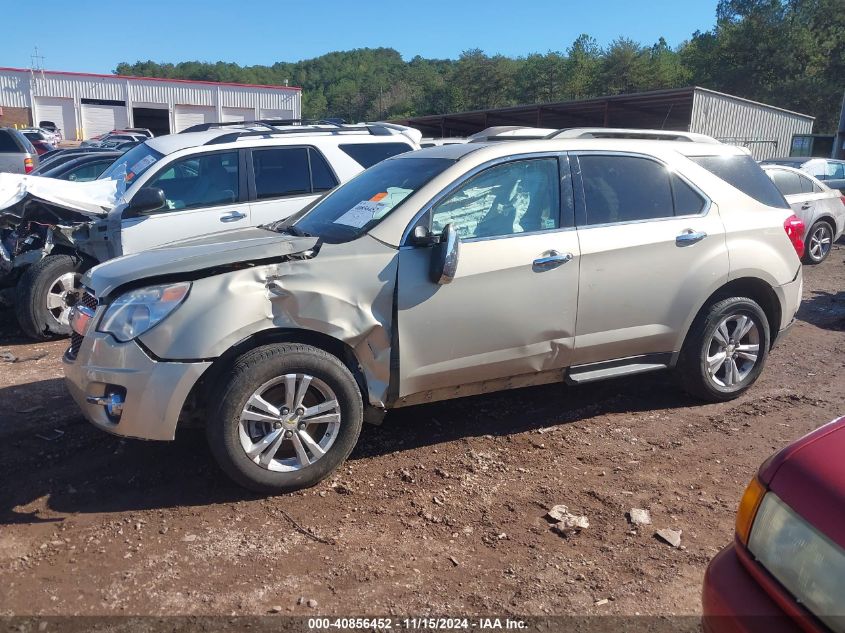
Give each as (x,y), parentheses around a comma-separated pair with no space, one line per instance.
(7,143)
(322,178)
(787,182)
(743,173)
(625,189)
(368,154)
(808,186)
(281,172)
(290,171)
(687,200)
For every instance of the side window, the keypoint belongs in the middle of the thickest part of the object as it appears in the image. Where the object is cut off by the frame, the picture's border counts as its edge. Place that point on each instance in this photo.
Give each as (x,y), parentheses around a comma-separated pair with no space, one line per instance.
(281,172)
(368,154)
(687,200)
(624,189)
(808,186)
(835,171)
(87,172)
(200,181)
(7,143)
(787,182)
(322,178)
(507,199)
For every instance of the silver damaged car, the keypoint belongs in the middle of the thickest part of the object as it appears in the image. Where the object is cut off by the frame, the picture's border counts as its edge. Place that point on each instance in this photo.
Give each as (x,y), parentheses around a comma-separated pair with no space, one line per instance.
(450,271)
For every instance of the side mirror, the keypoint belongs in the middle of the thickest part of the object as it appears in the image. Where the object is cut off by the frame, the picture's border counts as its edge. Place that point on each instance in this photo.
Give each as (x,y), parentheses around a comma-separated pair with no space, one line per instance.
(146,200)
(444,259)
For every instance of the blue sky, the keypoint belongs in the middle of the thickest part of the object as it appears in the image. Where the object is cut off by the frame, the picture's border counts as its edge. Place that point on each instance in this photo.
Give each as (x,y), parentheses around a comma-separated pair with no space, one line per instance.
(263,32)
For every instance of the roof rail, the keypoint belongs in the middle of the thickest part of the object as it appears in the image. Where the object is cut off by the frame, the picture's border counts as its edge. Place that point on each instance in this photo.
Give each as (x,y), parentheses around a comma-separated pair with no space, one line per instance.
(632,133)
(375,129)
(203,127)
(509,133)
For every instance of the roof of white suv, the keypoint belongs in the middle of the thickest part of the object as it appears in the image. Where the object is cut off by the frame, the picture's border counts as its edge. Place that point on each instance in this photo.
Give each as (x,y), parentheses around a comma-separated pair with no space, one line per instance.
(494,149)
(257,132)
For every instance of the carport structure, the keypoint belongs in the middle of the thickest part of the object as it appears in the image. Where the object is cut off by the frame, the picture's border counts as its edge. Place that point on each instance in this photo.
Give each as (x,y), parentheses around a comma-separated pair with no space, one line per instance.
(767,130)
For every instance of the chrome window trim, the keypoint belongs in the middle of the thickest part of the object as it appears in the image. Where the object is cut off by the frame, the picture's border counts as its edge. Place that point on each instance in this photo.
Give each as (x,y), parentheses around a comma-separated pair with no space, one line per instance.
(465,177)
(708,203)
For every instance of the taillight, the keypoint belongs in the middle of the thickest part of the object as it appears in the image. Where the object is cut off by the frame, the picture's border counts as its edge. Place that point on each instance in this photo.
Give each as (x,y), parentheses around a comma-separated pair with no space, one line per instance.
(28,165)
(794,227)
(842,198)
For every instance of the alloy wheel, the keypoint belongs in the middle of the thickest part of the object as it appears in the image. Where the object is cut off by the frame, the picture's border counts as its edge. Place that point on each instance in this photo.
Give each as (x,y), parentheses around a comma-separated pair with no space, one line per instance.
(733,350)
(820,241)
(289,422)
(62,295)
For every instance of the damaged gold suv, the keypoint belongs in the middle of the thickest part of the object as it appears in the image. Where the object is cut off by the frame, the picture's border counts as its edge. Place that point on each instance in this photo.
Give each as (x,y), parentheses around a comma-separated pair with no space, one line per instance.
(440,273)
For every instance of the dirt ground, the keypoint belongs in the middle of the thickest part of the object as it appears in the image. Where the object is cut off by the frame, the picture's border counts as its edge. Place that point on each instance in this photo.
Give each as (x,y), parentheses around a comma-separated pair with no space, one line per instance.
(439,511)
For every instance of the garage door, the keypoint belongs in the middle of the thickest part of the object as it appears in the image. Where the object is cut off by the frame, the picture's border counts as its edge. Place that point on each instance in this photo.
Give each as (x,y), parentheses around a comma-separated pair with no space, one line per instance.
(58,110)
(188,115)
(238,114)
(99,119)
(276,114)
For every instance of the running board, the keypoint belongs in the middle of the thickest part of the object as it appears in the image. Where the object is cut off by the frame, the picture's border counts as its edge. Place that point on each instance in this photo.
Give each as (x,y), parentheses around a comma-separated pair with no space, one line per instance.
(580,374)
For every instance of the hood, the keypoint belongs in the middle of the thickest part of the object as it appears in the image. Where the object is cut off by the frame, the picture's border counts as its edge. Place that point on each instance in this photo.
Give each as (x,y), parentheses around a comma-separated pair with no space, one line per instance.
(52,201)
(810,478)
(205,253)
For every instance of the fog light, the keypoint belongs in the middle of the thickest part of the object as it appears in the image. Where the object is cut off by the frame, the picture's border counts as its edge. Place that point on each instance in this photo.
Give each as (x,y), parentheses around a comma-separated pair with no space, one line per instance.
(113,402)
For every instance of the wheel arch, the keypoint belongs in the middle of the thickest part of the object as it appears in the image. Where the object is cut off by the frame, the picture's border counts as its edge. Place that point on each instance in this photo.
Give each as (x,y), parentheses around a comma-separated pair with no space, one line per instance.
(760,291)
(200,393)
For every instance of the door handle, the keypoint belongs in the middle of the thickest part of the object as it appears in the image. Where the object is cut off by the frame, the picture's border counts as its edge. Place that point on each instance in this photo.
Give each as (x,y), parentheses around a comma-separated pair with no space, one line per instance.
(806,206)
(689,237)
(552,259)
(234,216)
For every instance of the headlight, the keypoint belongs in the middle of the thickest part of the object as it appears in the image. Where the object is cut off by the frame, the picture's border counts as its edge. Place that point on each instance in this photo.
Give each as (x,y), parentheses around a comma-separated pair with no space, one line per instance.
(135,312)
(805,561)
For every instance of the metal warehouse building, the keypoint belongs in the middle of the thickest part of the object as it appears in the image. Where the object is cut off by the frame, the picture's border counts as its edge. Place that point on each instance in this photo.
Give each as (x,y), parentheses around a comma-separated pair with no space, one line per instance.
(766,130)
(85,105)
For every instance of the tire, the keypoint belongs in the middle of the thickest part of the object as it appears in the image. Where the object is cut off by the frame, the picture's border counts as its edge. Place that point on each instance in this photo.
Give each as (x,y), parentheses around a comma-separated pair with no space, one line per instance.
(818,243)
(277,466)
(703,343)
(44,284)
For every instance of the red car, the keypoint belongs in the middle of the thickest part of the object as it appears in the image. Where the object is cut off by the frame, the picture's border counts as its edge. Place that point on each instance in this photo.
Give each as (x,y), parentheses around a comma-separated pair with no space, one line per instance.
(785,570)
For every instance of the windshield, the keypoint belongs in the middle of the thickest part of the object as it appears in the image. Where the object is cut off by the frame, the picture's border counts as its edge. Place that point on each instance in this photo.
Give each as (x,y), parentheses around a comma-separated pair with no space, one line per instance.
(131,165)
(357,206)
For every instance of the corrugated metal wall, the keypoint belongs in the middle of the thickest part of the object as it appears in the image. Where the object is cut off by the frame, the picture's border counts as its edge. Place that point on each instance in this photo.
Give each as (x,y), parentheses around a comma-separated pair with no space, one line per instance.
(18,87)
(767,131)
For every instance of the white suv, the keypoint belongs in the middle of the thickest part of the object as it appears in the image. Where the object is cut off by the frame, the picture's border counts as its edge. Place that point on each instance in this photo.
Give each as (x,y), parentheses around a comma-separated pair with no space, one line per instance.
(190,184)
(436,274)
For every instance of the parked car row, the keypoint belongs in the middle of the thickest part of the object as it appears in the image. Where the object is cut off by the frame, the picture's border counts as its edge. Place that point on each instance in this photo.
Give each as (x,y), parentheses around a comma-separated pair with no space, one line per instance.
(180,186)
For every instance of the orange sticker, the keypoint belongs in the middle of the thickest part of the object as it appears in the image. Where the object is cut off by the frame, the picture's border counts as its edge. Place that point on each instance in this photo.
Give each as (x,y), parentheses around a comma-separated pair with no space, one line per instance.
(378,196)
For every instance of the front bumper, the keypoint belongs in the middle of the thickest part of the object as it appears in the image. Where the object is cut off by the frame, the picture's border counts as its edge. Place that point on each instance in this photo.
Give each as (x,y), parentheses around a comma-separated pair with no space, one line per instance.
(732,601)
(155,390)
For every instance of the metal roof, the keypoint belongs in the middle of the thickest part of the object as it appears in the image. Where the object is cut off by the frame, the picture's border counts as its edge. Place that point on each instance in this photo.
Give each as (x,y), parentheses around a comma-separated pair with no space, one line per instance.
(669,109)
(136,78)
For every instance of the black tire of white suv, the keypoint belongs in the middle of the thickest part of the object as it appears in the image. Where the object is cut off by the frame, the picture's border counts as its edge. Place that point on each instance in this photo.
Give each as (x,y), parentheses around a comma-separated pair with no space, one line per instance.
(725,350)
(284,418)
(44,295)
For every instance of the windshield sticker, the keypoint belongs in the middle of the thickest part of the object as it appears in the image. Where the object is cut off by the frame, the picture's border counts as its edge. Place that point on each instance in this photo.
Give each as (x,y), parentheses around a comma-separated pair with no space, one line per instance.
(142,164)
(362,213)
(378,196)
